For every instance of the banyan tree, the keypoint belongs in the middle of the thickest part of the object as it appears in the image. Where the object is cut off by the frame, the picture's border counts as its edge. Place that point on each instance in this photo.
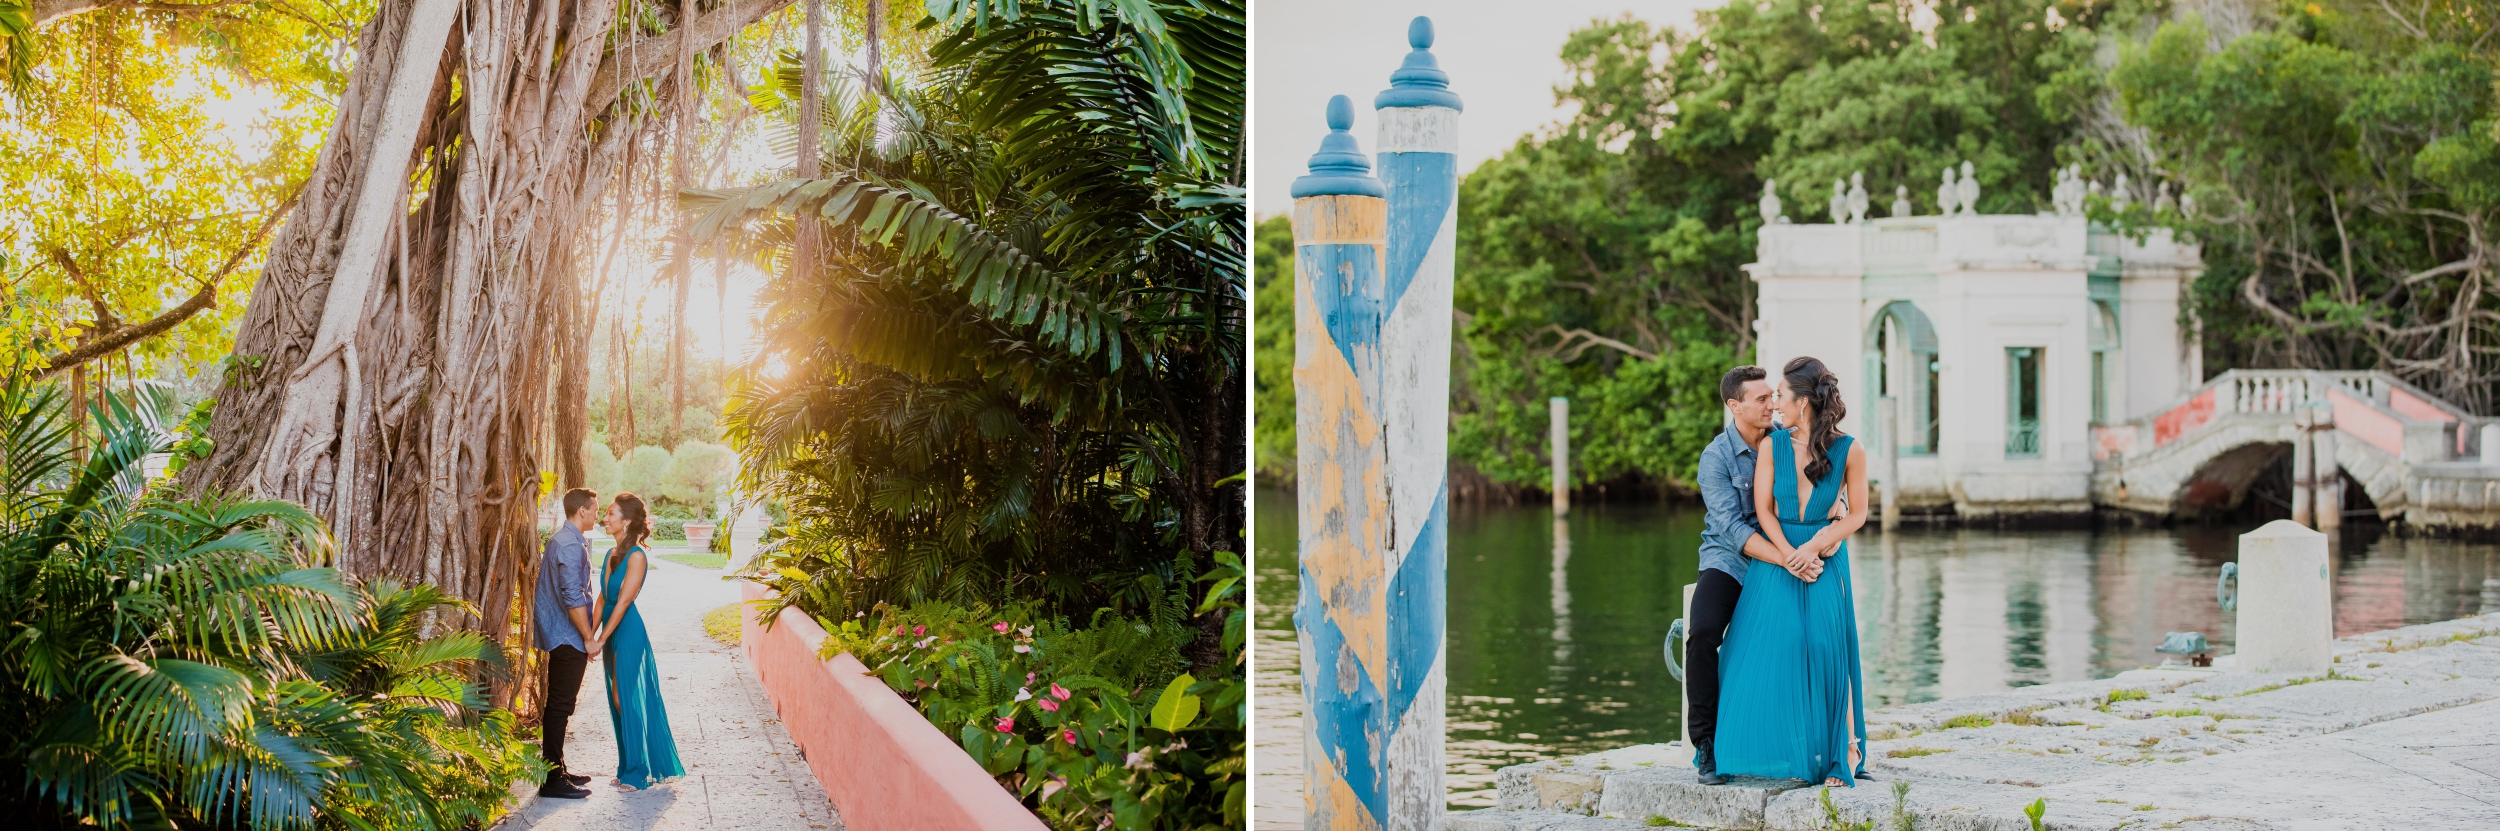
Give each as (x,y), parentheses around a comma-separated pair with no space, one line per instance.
(393,372)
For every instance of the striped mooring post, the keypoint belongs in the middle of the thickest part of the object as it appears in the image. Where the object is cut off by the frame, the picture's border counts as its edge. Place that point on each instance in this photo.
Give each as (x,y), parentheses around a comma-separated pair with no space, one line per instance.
(1373,276)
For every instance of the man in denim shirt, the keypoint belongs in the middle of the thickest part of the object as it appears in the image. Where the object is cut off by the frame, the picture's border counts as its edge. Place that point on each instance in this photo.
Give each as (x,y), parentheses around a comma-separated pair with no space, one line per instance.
(562,618)
(1729,534)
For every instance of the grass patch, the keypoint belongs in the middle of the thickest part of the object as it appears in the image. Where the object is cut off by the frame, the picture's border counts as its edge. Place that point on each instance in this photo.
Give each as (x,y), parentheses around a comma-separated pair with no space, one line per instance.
(723,623)
(1656,821)
(1914,752)
(2116,696)
(2191,711)
(1969,721)
(710,561)
(2023,718)
(2146,808)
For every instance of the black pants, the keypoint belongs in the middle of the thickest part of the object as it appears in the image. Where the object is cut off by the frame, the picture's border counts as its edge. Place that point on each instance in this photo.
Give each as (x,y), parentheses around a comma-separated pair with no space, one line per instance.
(1714,602)
(565,665)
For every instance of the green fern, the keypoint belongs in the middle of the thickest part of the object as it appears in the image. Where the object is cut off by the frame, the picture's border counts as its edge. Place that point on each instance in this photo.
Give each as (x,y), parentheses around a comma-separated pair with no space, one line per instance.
(198,662)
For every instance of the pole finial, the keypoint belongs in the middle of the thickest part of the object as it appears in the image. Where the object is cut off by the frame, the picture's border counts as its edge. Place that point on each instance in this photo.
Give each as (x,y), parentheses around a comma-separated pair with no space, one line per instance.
(1339,168)
(1419,82)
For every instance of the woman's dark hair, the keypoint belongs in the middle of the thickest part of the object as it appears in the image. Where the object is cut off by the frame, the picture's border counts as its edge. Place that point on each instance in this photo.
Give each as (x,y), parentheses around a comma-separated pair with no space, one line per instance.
(637,525)
(1808,379)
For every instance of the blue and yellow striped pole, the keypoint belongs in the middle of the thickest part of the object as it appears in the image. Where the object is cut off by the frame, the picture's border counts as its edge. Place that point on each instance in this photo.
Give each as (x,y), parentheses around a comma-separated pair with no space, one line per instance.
(1371,375)
(1340,228)
(1418,144)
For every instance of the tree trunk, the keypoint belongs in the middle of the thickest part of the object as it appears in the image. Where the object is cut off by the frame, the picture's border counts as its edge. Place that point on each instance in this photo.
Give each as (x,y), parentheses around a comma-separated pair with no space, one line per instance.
(397,360)
(810,163)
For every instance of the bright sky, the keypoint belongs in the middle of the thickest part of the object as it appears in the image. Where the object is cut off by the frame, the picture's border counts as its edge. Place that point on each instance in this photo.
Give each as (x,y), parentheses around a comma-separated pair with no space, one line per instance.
(1502,58)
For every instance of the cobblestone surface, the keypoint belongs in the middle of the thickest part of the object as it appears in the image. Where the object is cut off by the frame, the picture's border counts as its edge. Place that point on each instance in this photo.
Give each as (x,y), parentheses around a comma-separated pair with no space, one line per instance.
(2404,732)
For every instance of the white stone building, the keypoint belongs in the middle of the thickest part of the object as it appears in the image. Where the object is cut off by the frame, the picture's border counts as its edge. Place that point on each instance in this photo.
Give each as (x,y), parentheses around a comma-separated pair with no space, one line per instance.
(2001,340)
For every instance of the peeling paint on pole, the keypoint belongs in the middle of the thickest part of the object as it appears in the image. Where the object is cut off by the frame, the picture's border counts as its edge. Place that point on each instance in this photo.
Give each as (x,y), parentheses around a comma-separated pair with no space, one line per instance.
(1373,275)
(1340,227)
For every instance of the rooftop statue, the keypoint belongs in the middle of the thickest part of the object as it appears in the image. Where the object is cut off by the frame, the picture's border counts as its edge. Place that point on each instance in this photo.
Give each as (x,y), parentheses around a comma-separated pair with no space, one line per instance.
(1840,203)
(2118,196)
(1771,204)
(2068,193)
(1857,197)
(1968,190)
(2161,198)
(1948,194)
(1901,200)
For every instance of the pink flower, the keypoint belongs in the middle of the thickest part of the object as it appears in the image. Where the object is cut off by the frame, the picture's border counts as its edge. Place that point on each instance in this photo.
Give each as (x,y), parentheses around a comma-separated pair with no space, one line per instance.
(920,630)
(1001,627)
(1059,692)
(1006,725)
(1070,735)
(898,630)
(1028,677)
(1050,705)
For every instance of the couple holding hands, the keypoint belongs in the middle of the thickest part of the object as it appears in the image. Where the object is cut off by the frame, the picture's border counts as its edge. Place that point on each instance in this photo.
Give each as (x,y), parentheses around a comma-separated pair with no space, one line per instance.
(572,637)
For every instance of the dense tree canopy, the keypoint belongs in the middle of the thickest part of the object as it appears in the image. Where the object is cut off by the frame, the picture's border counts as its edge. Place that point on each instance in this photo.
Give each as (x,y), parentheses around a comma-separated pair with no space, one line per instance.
(2346,158)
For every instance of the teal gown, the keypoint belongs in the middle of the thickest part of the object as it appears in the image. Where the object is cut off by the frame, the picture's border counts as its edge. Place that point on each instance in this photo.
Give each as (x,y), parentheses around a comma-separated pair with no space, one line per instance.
(1788,687)
(646,754)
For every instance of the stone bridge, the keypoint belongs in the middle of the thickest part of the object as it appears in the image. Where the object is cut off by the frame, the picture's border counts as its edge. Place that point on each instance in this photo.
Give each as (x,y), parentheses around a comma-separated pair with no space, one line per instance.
(2407,455)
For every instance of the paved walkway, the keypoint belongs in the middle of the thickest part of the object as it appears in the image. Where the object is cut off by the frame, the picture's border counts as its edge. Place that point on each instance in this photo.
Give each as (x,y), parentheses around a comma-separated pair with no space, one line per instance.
(741,769)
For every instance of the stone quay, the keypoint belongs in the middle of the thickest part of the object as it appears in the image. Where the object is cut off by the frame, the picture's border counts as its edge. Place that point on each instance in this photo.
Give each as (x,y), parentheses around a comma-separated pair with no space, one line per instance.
(2401,731)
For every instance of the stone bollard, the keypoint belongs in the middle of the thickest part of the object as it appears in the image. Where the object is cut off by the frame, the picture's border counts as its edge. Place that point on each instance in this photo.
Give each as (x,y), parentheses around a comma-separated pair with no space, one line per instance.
(2287,604)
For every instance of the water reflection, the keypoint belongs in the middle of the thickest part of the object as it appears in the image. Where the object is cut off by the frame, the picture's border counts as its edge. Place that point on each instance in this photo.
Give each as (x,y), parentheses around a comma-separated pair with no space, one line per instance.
(1567,661)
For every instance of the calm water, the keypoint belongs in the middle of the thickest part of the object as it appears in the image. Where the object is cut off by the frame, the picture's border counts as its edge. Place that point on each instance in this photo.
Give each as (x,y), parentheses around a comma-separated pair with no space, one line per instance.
(1555,632)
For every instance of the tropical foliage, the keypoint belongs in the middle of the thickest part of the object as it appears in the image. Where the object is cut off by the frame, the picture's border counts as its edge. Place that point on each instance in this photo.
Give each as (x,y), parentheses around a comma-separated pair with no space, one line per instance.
(1014,370)
(197,662)
(1094,726)
(2341,153)
(147,153)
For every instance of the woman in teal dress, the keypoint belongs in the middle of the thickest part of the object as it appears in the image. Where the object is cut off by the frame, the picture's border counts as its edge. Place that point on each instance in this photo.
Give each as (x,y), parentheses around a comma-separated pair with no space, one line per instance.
(1791,707)
(646,754)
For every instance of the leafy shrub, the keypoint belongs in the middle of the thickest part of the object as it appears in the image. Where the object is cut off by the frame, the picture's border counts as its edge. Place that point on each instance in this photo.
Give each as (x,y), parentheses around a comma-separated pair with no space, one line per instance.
(698,472)
(1092,727)
(645,473)
(606,473)
(196,662)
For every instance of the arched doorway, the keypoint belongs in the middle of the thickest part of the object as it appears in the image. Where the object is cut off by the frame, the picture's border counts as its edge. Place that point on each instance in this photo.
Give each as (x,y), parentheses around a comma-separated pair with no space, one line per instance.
(1901,363)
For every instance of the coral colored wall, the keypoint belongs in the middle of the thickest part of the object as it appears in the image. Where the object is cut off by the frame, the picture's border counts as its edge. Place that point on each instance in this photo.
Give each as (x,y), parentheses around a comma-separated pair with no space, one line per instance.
(886,768)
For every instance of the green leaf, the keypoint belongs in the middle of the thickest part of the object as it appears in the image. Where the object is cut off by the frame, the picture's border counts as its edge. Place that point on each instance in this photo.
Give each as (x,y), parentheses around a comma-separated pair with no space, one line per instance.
(1177,708)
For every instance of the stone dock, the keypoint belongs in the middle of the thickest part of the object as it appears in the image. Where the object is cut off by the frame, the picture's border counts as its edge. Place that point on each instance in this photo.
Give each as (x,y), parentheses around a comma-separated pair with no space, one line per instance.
(2402,732)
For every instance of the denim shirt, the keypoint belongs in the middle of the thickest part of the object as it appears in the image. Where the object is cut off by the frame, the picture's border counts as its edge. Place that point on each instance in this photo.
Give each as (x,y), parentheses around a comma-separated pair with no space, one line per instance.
(563,583)
(1727,498)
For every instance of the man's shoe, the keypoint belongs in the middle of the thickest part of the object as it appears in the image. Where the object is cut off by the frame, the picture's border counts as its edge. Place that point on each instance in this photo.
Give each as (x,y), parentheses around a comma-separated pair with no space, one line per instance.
(1706,765)
(577,779)
(558,788)
(1866,776)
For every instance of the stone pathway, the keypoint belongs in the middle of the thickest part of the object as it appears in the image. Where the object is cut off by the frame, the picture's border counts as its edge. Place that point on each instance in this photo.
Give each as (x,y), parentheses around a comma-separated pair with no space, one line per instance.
(2404,733)
(741,769)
